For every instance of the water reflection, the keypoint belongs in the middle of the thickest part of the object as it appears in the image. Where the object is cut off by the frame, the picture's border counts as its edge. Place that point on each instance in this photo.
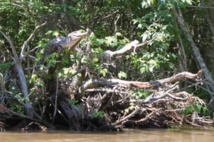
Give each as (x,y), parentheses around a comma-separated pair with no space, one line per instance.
(126,136)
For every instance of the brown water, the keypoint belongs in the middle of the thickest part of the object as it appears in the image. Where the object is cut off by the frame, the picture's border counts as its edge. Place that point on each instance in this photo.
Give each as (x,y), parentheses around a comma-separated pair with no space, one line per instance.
(126,136)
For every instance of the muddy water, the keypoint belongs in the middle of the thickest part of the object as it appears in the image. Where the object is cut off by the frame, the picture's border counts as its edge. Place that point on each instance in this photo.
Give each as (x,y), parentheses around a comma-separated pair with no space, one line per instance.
(126,136)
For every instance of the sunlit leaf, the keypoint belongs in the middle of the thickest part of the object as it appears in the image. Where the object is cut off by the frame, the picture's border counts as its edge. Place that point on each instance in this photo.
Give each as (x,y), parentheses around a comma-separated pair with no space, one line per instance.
(55,33)
(122,74)
(49,32)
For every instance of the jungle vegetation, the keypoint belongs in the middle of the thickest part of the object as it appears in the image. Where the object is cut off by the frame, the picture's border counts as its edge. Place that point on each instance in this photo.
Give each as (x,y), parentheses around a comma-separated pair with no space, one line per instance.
(100,85)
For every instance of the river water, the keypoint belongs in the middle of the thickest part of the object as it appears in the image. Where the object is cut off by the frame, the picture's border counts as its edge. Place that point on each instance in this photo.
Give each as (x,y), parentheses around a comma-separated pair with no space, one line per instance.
(147,135)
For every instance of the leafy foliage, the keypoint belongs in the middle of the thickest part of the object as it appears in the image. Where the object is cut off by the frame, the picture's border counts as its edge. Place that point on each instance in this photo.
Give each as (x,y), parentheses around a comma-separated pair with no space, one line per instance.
(98,114)
(114,24)
(199,109)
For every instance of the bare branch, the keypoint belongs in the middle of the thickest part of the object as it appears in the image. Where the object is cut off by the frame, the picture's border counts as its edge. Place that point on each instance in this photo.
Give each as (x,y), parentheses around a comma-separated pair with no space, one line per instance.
(148,116)
(2,84)
(24,46)
(11,45)
(128,47)
(182,75)
(106,90)
(204,7)
(110,55)
(117,82)
(25,117)
(21,75)
(144,43)
(127,117)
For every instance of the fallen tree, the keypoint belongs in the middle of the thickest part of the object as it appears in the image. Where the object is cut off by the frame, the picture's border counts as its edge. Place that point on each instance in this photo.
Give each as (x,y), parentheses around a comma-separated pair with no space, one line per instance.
(165,107)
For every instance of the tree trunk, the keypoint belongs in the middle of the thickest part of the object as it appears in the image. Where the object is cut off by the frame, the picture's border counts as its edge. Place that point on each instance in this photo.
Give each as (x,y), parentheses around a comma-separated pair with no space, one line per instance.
(198,58)
(21,75)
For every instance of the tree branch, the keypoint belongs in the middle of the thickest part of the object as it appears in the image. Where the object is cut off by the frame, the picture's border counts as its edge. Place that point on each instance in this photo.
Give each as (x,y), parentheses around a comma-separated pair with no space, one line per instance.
(21,75)
(128,47)
(2,85)
(127,117)
(117,82)
(11,46)
(24,46)
(148,116)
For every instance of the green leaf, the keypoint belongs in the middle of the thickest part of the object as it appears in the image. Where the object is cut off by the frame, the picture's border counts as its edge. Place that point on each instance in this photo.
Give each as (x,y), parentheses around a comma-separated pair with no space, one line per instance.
(144,69)
(111,41)
(55,33)
(95,59)
(33,78)
(65,60)
(187,1)
(66,70)
(72,101)
(99,114)
(188,110)
(49,32)
(104,71)
(122,74)
(198,108)
(5,65)
(135,21)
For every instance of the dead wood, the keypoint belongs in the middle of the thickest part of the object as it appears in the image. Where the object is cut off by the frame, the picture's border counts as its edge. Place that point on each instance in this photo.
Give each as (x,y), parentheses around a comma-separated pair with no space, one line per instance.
(162,108)
(97,83)
(25,47)
(7,112)
(132,46)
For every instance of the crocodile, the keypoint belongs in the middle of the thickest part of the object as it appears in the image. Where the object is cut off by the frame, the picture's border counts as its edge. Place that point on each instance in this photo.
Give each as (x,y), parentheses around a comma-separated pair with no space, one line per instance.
(59,43)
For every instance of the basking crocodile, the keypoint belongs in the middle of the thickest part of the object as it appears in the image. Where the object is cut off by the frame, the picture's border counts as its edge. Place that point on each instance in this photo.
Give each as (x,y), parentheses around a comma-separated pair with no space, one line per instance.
(57,44)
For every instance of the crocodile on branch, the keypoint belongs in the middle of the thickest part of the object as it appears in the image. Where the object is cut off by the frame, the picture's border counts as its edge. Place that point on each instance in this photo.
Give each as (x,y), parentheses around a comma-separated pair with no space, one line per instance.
(57,44)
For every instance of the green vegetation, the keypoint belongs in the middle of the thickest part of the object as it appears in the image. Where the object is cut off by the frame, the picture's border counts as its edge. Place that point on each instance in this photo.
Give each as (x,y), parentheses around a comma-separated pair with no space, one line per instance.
(174,36)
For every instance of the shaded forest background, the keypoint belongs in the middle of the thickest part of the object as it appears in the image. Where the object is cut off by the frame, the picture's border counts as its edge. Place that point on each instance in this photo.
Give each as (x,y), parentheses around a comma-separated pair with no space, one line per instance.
(179,36)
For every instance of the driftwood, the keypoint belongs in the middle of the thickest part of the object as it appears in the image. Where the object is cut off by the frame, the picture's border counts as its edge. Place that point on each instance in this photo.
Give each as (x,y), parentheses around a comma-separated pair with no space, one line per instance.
(164,109)
(157,83)
(161,108)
